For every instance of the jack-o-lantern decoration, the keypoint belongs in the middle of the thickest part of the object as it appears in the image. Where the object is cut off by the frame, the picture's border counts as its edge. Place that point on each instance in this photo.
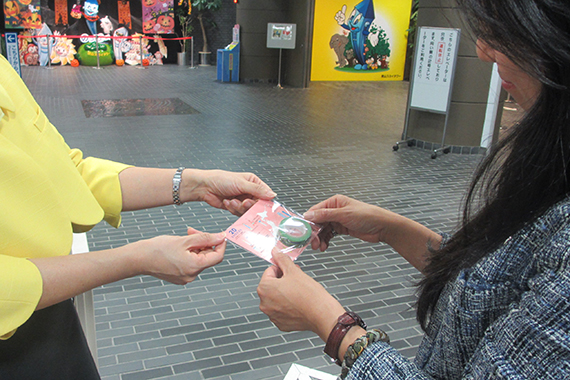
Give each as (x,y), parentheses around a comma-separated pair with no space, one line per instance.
(149,25)
(120,62)
(166,23)
(31,20)
(74,62)
(11,9)
(145,62)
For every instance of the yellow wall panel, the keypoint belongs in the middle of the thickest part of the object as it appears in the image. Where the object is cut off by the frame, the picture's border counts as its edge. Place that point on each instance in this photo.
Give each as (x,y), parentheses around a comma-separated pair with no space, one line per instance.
(367,61)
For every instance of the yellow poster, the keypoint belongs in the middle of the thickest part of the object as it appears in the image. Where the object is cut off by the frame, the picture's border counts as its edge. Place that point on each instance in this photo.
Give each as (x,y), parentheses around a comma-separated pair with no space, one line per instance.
(360,40)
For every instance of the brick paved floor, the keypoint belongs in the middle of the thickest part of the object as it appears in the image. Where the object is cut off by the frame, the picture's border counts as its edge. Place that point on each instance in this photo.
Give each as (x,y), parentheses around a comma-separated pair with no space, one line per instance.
(308,144)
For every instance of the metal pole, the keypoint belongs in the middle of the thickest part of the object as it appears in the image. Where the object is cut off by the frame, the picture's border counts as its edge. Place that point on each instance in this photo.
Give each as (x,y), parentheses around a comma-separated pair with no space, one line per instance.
(141,51)
(49,51)
(192,53)
(97,51)
(279,79)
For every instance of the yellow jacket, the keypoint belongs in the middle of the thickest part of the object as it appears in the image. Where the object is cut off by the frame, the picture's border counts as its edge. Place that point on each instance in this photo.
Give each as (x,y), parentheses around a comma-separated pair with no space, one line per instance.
(47,191)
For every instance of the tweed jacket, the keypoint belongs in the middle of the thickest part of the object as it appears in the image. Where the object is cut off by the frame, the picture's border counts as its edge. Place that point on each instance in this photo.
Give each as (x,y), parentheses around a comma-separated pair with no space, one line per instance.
(507,317)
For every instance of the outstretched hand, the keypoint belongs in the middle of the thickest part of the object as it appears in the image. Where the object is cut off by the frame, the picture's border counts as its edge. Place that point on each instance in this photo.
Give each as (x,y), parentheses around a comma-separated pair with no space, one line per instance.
(180,259)
(235,192)
(346,216)
(293,301)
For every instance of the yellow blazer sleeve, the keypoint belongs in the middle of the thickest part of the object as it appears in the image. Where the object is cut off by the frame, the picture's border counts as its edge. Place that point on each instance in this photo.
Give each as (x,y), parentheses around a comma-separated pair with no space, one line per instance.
(102,178)
(20,292)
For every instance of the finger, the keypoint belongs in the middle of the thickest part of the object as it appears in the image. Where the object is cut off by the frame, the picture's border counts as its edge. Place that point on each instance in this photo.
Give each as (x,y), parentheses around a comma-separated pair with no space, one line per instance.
(336,201)
(192,231)
(247,204)
(238,207)
(257,188)
(210,258)
(283,261)
(217,254)
(233,206)
(272,272)
(205,240)
(323,215)
(343,9)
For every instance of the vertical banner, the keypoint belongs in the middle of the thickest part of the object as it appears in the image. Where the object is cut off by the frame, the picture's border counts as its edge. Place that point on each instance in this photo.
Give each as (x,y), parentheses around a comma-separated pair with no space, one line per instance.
(13,51)
(22,14)
(360,40)
(60,8)
(158,16)
(124,8)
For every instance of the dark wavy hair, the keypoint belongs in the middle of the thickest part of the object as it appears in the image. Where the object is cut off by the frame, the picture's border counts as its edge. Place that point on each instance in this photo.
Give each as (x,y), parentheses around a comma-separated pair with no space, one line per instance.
(527,171)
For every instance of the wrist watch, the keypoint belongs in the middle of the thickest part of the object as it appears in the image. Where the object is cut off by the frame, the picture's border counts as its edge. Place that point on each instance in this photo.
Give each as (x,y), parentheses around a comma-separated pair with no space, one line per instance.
(345,322)
(176,180)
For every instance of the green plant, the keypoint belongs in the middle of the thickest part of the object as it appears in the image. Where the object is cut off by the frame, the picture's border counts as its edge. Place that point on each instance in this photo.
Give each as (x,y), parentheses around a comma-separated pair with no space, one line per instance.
(413,24)
(202,10)
(185,22)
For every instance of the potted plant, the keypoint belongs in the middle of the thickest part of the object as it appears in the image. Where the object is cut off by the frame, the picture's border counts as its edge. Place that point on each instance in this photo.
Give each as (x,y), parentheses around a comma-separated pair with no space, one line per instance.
(183,13)
(201,9)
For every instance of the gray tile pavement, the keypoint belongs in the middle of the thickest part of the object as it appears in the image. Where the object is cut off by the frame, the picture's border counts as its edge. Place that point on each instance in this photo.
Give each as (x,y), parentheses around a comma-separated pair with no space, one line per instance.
(308,144)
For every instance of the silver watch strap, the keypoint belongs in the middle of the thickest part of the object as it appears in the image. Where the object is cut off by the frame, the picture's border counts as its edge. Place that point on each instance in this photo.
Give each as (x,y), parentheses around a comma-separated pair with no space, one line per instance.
(176,180)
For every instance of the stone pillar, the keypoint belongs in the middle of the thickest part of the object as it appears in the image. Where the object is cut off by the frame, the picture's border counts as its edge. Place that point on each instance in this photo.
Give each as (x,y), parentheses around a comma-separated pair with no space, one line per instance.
(468,108)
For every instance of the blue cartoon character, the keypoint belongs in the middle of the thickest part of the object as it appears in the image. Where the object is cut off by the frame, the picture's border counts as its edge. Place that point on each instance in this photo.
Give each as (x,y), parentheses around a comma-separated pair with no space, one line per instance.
(91,14)
(358,24)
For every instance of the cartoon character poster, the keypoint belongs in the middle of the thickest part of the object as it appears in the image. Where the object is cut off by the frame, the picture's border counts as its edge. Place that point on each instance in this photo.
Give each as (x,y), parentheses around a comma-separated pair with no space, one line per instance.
(22,14)
(158,16)
(360,40)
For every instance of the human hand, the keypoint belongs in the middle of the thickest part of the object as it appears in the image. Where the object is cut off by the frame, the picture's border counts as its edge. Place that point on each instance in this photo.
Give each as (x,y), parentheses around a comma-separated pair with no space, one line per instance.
(293,301)
(340,16)
(235,192)
(348,216)
(180,259)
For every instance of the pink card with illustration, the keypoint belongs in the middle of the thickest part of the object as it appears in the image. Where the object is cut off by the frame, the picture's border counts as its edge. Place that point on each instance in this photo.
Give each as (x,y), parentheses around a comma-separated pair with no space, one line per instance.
(268,225)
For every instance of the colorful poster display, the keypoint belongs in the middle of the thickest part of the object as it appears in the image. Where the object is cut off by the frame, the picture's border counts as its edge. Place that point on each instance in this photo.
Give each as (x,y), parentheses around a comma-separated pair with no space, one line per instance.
(60,8)
(124,10)
(360,40)
(22,14)
(158,16)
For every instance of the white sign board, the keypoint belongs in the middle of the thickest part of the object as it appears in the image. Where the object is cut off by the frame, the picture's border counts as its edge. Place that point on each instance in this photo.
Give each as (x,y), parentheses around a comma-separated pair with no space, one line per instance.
(281,36)
(13,51)
(434,68)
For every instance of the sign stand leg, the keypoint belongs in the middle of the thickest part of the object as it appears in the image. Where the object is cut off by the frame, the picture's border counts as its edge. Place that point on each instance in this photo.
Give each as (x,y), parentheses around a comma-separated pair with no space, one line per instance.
(444,149)
(279,79)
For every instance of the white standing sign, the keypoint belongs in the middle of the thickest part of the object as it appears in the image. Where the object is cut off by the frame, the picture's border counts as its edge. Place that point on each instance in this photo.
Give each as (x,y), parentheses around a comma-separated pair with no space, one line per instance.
(434,68)
(13,51)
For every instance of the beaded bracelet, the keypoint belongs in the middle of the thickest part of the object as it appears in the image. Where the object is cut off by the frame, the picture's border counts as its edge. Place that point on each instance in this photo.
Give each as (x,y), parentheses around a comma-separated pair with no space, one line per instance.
(355,349)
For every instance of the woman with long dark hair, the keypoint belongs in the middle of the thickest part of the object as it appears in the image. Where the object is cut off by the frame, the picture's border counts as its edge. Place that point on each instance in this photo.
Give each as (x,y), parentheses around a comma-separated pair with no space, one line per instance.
(495,297)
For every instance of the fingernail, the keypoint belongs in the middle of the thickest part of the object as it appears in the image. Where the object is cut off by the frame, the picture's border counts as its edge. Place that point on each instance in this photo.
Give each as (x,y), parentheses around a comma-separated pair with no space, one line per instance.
(309,215)
(272,194)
